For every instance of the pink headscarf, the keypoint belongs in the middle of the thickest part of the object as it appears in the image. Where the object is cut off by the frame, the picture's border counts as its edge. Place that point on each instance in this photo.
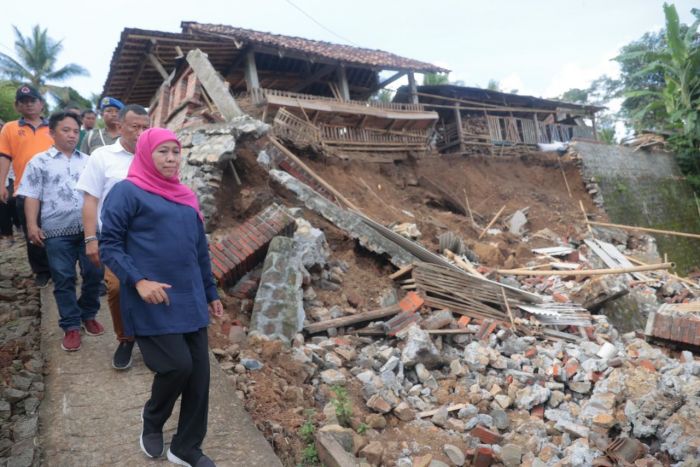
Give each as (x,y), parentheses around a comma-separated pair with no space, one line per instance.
(143,172)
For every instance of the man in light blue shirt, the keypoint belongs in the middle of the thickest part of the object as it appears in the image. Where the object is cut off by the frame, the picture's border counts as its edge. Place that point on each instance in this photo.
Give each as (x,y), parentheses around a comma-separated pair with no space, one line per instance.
(49,187)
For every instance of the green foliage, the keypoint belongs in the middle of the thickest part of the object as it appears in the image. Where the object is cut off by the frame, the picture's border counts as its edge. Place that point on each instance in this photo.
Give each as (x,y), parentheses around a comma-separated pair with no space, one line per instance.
(307,429)
(674,101)
(309,455)
(576,96)
(37,55)
(607,135)
(307,432)
(432,79)
(342,405)
(493,85)
(7,101)
(362,428)
(383,95)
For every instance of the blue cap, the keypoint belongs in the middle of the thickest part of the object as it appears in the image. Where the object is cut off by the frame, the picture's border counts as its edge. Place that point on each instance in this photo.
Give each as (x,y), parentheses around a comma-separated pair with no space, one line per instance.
(110,102)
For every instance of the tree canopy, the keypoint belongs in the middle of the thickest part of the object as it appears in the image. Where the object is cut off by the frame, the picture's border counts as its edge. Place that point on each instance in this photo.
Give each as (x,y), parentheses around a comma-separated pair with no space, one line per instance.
(36,63)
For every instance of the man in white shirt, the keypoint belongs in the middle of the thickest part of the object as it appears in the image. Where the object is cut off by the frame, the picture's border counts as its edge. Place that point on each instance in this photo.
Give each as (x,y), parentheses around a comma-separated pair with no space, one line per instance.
(107,166)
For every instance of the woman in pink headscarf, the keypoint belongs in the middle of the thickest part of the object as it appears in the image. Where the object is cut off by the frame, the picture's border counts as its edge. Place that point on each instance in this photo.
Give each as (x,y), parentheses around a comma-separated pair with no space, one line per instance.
(153,240)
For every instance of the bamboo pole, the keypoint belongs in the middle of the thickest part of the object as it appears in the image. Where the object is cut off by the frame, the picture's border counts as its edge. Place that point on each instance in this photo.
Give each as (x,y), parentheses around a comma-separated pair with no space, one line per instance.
(585,216)
(645,229)
(483,232)
(469,209)
(566,182)
(510,313)
(586,272)
(313,174)
(466,265)
(682,279)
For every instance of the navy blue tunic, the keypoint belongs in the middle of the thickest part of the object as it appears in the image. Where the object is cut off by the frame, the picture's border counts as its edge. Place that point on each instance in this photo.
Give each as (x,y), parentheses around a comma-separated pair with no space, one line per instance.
(145,236)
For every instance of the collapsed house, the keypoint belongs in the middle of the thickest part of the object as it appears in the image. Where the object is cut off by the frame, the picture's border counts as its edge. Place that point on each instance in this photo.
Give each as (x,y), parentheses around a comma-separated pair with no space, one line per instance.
(475,120)
(316,92)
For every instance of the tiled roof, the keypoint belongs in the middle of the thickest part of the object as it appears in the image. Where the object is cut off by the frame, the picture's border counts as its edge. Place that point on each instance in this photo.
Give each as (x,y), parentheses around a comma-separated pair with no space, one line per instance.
(342,53)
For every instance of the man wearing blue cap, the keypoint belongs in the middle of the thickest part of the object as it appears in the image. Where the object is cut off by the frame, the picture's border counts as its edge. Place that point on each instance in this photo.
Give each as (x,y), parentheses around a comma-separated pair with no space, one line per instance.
(109,107)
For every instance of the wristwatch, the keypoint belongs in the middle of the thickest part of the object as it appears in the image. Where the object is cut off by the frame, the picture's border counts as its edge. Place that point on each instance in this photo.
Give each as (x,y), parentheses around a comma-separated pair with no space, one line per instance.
(91,238)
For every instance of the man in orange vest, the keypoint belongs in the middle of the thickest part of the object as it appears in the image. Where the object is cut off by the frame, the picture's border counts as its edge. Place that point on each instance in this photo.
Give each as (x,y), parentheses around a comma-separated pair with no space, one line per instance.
(20,141)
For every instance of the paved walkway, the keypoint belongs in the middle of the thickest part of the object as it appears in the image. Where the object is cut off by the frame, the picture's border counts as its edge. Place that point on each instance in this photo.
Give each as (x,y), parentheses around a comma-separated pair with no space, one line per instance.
(91,413)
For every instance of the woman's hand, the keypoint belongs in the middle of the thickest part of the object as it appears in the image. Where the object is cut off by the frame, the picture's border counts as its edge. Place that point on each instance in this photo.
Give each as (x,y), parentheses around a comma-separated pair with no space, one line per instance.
(153,292)
(216,308)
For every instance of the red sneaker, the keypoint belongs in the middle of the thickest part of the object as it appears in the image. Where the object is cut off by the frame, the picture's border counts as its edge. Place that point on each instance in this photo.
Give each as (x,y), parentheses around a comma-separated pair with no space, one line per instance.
(71,341)
(93,327)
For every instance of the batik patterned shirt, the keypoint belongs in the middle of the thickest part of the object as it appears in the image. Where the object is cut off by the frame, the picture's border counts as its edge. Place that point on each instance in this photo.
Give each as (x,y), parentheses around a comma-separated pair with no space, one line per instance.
(51,177)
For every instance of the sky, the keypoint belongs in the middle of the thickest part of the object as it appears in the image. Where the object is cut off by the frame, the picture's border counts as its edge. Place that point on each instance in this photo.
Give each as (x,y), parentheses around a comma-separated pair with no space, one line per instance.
(537,47)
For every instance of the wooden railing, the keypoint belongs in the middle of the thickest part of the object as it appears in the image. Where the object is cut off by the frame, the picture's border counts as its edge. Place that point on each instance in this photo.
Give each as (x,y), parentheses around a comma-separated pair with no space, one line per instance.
(259,96)
(332,135)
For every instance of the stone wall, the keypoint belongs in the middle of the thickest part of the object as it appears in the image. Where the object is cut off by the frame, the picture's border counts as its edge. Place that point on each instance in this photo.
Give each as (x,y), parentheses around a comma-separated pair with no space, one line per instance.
(645,189)
(208,151)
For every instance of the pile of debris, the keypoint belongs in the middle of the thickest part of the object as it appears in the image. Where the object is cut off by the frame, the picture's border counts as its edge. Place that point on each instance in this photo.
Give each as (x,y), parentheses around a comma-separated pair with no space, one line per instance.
(463,363)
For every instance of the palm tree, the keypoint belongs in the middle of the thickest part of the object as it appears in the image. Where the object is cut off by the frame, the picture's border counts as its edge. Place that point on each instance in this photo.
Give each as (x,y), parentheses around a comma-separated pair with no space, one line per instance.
(36,62)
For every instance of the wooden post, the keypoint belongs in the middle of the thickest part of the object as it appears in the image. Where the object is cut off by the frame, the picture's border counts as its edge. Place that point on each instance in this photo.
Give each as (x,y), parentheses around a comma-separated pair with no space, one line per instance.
(413,88)
(343,83)
(251,72)
(460,130)
(595,130)
(537,127)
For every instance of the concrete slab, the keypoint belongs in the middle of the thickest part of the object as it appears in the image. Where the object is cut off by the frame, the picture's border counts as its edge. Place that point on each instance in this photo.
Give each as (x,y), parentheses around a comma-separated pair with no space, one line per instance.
(91,414)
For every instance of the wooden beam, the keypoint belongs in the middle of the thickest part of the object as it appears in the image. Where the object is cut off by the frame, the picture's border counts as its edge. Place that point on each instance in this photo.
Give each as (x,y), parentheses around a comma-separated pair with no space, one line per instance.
(156,64)
(412,87)
(390,80)
(343,83)
(585,272)
(460,130)
(353,319)
(251,71)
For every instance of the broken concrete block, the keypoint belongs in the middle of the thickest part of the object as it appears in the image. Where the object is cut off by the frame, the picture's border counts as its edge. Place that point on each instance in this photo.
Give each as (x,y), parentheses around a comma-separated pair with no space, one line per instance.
(419,348)
(455,454)
(530,396)
(373,452)
(333,377)
(379,404)
(278,311)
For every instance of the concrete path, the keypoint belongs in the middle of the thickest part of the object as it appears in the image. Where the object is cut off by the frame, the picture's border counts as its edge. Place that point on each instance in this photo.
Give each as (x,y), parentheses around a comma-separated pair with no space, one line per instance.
(91,414)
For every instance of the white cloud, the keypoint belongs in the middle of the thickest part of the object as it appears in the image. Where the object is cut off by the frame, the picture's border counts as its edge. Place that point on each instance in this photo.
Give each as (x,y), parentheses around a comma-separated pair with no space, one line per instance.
(578,75)
(512,82)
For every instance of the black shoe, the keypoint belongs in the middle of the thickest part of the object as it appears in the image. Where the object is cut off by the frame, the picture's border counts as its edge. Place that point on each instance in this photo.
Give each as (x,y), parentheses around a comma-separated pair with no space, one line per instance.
(152,444)
(42,279)
(203,461)
(122,356)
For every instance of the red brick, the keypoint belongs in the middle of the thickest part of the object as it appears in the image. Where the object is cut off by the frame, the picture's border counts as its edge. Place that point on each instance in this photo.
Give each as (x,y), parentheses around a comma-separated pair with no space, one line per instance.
(230,254)
(483,457)
(485,435)
(647,365)
(231,248)
(216,262)
(242,247)
(218,252)
(538,411)
(531,352)
(258,231)
(251,236)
